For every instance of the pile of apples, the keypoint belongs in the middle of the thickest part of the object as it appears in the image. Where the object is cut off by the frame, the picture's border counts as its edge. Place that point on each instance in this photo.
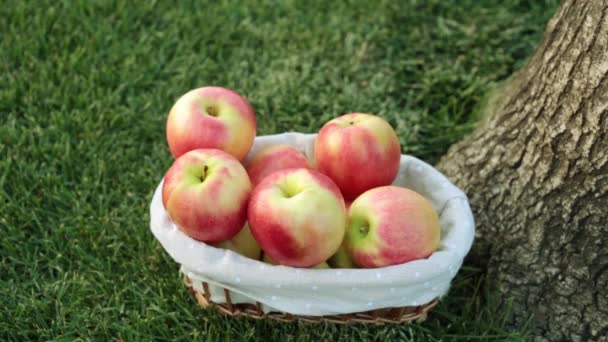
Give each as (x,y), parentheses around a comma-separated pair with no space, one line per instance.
(338,209)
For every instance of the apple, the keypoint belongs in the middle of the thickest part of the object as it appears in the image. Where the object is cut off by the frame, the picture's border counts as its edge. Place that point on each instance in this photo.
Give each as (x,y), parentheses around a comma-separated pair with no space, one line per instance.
(274,158)
(267,259)
(242,243)
(347,204)
(391,225)
(205,193)
(211,117)
(342,259)
(358,152)
(297,216)
(323,265)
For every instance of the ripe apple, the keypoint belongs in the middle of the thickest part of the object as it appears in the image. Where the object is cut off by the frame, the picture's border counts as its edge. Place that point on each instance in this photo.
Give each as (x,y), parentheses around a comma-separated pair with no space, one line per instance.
(211,117)
(342,259)
(358,152)
(391,225)
(297,216)
(347,203)
(205,192)
(242,243)
(274,158)
(323,265)
(267,259)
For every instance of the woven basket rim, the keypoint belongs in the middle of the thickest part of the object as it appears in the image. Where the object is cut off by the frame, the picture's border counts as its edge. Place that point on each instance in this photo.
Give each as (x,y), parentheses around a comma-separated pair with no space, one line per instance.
(395,315)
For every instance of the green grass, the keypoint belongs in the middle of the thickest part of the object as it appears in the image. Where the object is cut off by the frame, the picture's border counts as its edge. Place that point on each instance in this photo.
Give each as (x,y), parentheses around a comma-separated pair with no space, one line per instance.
(85,87)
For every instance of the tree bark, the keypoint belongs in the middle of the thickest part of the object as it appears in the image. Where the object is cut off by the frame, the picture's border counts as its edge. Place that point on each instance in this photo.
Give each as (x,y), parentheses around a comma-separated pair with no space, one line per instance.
(536,172)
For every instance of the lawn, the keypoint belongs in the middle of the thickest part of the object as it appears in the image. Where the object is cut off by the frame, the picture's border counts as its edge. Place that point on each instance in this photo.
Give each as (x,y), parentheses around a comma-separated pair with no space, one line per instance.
(85,88)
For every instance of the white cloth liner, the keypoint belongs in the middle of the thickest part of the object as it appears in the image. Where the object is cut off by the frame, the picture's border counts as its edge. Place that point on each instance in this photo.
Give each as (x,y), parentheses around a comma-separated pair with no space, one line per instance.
(317,292)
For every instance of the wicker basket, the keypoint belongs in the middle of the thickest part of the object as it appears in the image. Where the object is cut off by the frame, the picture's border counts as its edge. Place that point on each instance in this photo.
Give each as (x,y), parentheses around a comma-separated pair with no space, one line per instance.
(401,315)
(238,286)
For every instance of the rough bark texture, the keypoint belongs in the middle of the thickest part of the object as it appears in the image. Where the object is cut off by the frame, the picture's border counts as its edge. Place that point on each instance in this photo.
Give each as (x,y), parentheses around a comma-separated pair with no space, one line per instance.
(536,172)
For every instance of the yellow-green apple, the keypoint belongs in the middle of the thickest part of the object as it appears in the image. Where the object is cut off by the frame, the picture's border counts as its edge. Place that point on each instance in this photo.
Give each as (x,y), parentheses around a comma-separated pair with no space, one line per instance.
(274,158)
(268,259)
(342,259)
(205,193)
(297,216)
(323,265)
(211,117)
(242,243)
(391,225)
(358,152)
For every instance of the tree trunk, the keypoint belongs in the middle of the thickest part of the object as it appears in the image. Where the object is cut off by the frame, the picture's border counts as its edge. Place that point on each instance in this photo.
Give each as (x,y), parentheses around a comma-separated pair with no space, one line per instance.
(536,172)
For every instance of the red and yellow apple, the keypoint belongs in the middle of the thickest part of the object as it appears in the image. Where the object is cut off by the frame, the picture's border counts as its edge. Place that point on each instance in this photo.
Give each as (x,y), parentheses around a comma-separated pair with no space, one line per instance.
(391,225)
(297,216)
(211,118)
(205,193)
(242,243)
(267,259)
(274,158)
(358,152)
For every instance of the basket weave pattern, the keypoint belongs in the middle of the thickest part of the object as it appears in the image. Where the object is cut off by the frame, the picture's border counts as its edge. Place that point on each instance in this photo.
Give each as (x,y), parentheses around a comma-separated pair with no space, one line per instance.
(400,315)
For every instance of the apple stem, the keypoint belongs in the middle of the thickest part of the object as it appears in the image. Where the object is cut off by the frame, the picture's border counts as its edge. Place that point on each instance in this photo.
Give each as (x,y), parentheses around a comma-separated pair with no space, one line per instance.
(211,111)
(363,230)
